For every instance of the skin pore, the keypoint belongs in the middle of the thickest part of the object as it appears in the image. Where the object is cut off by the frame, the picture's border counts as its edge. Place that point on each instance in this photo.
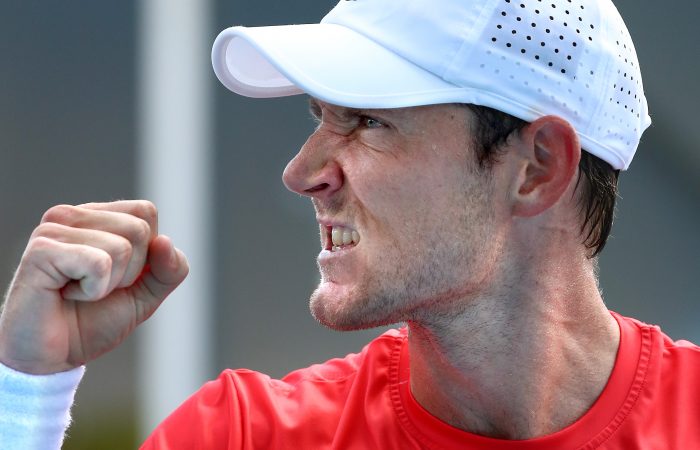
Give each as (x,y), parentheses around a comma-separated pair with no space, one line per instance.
(487,268)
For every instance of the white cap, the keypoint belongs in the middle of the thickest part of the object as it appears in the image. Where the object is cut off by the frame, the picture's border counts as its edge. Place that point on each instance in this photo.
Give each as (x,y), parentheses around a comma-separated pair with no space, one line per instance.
(528,58)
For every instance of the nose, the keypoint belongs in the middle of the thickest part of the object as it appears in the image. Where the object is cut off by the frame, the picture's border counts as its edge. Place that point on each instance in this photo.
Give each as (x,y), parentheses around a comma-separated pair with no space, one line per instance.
(314,172)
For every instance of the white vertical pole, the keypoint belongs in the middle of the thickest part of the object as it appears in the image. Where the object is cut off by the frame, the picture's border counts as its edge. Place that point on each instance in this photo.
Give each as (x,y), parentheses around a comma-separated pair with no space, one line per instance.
(174,164)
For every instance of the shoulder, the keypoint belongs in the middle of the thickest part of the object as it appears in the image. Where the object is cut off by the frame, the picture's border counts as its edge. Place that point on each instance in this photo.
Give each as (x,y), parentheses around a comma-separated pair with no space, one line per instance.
(375,354)
(312,404)
(681,360)
(673,374)
(671,351)
(662,399)
(373,357)
(254,410)
(334,377)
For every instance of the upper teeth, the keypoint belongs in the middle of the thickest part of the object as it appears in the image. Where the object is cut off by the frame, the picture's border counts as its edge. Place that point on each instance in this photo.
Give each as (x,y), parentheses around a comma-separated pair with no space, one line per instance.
(344,236)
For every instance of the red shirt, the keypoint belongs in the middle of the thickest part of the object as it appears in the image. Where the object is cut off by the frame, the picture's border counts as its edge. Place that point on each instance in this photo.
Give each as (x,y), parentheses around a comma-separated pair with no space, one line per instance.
(363,401)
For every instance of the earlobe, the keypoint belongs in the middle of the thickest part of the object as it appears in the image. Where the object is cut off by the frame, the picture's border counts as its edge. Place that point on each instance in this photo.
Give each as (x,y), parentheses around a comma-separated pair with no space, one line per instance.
(551,152)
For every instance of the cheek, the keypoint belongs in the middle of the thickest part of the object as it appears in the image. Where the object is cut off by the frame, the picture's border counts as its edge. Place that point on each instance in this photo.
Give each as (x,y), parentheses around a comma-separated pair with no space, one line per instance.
(413,183)
(405,192)
(391,197)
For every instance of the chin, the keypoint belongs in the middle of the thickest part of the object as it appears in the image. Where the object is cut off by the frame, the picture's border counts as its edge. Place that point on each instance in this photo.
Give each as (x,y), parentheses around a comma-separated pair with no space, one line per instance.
(350,310)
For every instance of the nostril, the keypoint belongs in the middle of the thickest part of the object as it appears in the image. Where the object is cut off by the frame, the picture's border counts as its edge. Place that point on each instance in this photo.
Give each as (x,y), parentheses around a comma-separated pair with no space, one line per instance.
(318,187)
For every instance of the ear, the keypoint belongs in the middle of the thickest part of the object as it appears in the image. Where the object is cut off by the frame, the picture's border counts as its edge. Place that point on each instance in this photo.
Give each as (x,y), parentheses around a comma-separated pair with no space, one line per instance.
(550,152)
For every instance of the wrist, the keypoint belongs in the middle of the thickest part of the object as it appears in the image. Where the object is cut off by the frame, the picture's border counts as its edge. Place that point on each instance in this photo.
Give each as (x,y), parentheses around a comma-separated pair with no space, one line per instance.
(35,409)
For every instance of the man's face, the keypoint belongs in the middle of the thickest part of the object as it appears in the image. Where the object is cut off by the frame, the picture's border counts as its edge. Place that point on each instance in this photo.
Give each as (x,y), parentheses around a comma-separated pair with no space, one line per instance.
(414,219)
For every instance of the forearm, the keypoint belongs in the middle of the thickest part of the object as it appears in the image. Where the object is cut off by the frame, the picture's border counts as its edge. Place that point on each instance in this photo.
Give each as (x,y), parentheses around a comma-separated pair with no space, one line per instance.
(35,409)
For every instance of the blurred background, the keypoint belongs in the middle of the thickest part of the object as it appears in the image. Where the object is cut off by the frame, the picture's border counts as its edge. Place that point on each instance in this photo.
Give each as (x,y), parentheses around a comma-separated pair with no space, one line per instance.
(71,107)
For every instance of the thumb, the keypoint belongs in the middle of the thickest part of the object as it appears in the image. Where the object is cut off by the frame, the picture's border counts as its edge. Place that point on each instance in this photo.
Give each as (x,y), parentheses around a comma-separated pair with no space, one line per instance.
(166,267)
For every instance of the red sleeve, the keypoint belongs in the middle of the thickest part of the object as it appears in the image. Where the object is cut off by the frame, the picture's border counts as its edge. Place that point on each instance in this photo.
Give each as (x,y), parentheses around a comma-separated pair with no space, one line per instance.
(307,409)
(243,409)
(202,422)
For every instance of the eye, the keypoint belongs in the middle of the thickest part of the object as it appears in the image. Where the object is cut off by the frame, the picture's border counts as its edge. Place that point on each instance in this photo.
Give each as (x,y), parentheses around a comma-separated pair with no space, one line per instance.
(371,122)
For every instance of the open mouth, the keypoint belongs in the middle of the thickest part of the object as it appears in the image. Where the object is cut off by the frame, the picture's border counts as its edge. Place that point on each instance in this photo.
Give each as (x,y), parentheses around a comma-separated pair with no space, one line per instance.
(340,238)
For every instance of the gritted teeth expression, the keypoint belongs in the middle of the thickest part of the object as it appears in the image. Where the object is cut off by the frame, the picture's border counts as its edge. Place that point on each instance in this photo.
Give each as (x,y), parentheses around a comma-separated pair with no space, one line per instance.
(448,225)
(338,238)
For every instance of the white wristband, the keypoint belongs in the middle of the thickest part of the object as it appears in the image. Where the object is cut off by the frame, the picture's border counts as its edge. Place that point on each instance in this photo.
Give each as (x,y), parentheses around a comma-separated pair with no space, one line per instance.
(35,409)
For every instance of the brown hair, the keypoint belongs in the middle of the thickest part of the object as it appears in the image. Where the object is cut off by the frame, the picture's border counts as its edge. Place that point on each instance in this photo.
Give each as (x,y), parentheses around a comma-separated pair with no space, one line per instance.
(598,180)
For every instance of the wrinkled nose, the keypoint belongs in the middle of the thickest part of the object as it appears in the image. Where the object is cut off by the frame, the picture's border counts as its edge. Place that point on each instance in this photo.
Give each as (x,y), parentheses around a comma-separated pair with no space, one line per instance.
(313,172)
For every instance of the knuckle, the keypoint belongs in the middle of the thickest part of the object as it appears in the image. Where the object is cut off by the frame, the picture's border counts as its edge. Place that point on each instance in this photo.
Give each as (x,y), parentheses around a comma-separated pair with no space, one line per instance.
(122,252)
(39,244)
(59,214)
(45,229)
(37,250)
(142,231)
(122,248)
(102,265)
(146,209)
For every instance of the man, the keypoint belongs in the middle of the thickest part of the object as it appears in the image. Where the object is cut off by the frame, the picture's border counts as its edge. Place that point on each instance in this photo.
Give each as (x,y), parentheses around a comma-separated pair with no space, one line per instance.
(463,174)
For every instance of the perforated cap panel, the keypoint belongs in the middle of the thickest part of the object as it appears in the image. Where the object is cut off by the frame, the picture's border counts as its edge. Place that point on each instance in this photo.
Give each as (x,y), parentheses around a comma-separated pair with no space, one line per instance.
(570,59)
(529,58)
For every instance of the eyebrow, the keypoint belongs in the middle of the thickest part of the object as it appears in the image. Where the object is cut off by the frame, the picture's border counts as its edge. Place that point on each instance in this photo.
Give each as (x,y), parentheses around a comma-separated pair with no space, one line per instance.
(343,112)
(314,108)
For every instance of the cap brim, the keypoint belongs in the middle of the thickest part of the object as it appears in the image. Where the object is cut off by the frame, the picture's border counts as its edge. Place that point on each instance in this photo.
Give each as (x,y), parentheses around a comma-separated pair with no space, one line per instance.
(327,61)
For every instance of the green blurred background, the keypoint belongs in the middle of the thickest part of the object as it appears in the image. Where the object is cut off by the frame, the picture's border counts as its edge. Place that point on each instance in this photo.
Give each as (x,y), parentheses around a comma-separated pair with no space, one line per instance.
(68,112)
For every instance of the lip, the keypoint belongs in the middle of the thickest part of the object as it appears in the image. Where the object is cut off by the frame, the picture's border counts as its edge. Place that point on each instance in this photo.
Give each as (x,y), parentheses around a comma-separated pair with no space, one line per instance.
(327,222)
(327,255)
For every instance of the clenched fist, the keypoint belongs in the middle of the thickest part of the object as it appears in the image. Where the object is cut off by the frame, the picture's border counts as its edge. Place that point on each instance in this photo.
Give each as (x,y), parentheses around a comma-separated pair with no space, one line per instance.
(89,275)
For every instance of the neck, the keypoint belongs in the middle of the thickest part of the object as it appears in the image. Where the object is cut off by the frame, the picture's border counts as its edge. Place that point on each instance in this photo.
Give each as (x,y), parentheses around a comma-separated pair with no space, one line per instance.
(524,360)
